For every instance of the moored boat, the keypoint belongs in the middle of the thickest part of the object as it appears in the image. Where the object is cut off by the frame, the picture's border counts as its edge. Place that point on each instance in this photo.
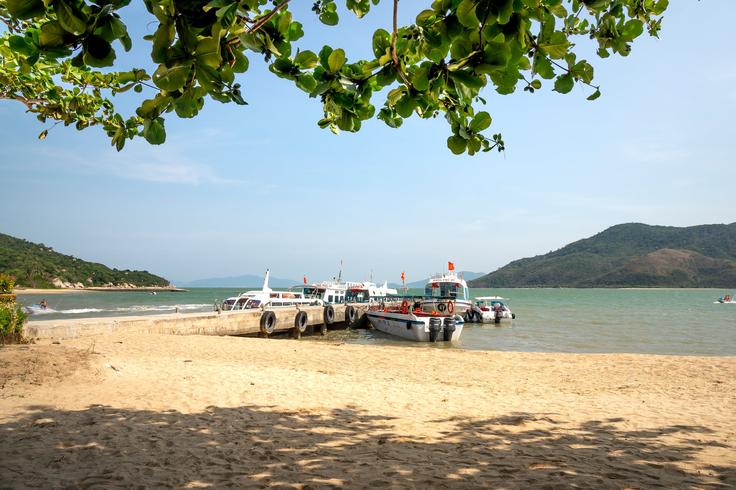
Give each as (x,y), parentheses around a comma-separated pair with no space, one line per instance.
(446,286)
(368,292)
(266,298)
(416,324)
(489,309)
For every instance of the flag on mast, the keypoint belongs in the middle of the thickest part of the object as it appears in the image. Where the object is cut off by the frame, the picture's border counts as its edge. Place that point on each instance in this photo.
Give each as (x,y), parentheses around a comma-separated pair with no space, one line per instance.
(450,266)
(305,279)
(403,278)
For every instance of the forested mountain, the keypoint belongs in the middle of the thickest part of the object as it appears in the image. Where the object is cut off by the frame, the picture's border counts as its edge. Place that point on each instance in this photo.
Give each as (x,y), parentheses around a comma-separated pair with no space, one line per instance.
(631,255)
(36,265)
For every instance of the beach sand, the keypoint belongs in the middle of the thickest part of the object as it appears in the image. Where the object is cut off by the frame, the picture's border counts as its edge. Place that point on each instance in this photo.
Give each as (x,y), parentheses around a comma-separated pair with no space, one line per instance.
(211,412)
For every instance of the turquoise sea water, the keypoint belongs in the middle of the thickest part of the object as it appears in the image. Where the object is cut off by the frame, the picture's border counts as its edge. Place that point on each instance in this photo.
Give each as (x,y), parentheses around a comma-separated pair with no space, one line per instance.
(656,321)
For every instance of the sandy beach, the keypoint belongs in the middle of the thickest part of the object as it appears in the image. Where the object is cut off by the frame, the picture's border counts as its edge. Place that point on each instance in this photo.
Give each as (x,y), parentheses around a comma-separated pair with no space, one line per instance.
(213,411)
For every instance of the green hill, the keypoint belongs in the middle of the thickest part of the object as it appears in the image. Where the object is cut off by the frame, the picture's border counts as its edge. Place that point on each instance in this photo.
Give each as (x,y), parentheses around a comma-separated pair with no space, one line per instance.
(630,255)
(36,265)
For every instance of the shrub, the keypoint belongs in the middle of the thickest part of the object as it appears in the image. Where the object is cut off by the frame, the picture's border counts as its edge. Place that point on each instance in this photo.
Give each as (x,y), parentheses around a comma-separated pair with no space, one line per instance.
(12,319)
(7,283)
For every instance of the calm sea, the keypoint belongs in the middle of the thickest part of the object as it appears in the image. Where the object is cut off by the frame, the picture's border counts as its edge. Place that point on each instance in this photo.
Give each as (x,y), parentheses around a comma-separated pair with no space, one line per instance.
(656,321)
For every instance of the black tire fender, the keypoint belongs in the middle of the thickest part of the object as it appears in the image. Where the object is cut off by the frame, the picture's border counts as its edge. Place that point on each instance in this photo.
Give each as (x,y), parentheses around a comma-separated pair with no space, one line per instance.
(350,314)
(329,315)
(300,321)
(268,322)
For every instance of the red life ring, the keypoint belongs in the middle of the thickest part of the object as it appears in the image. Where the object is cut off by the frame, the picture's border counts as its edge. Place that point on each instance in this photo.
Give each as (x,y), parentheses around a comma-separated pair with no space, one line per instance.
(405,307)
(450,307)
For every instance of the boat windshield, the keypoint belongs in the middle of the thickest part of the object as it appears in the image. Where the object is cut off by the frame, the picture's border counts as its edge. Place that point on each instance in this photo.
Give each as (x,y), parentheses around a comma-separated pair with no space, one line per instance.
(253,303)
(313,293)
(445,290)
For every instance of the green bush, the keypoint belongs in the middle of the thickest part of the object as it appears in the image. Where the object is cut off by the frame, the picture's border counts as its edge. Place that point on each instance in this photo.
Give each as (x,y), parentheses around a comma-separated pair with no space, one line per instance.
(12,319)
(7,283)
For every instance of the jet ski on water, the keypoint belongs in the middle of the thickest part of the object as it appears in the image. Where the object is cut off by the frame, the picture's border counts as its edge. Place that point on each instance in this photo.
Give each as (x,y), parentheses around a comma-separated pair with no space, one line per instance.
(38,308)
(725,299)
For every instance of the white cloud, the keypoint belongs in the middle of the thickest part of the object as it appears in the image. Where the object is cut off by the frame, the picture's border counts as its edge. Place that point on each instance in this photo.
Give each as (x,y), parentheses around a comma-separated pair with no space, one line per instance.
(140,162)
(653,153)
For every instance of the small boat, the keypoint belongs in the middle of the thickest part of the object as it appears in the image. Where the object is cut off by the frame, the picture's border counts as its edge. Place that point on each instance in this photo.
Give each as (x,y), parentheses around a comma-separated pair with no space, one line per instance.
(368,292)
(726,299)
(416,324)
(266,298)
(489,309)
(446,286)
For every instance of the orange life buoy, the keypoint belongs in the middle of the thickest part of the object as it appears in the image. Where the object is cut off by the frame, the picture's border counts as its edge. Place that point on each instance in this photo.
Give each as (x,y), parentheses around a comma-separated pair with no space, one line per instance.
(450,307)
(405,307)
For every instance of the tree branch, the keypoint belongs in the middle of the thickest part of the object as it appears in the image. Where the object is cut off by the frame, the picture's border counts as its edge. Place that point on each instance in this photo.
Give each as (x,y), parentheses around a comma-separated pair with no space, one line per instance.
(262,20)
(394,55)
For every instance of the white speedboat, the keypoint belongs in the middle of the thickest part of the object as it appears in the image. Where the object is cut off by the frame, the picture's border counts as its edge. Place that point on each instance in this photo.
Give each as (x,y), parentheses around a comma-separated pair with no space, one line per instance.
(266,298)
(415,324)
(445,287)
(368,292)
(489,309)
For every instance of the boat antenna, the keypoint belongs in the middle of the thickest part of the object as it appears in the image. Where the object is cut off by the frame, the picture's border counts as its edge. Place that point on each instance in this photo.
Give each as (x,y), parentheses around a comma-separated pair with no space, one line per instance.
(339,275)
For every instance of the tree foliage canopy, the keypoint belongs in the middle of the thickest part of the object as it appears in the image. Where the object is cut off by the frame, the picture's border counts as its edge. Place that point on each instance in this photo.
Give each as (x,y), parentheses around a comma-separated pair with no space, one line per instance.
(57,56)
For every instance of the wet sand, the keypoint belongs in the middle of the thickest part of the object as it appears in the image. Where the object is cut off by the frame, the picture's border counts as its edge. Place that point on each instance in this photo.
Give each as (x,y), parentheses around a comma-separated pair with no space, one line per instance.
(211,412)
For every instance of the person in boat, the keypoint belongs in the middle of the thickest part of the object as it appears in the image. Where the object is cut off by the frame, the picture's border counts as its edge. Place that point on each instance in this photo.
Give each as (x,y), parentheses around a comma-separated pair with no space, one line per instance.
(43,304)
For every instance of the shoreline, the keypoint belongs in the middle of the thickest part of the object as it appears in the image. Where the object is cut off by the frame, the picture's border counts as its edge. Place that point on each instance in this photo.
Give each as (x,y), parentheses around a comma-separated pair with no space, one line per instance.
(144,289)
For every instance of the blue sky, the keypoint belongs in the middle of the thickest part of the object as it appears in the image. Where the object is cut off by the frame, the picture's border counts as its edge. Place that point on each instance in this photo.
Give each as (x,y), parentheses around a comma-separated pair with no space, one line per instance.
(240,189)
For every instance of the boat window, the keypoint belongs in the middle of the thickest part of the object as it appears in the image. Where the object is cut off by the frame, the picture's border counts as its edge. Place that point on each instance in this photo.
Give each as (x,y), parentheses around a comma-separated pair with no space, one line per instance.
(254,303)
(329,299)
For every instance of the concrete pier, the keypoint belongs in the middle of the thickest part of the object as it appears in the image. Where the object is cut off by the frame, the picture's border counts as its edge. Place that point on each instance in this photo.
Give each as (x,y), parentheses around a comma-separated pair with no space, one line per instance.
(224,323)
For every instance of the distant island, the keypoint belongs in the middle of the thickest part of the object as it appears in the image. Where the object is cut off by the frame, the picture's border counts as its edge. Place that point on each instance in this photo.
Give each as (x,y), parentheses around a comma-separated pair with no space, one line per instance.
(35,265)
(630,255)
(244,281)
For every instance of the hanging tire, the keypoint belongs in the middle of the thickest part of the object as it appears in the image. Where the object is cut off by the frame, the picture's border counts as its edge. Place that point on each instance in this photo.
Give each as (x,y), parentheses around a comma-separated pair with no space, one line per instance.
(300,321)
(268,322)
(350,314)
(329,315)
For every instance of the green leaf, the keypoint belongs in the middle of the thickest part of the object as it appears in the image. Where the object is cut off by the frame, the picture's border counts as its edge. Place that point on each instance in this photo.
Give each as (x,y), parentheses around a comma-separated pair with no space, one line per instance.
(481,121)
(594,95)
(336,60)
(154,131)
(208,52)
(543,67)
(564,83)
(329,16)
(295,31)
(25,9)
(467,79)
(306,83)
(171,79)
(632,29)
(466,14)
(98,52)
(536,84)
(306,59)
(21,45)
(52,35)
(419,78)
(381,42)
(283,23)
(456,144)
(557,45)
(71,20)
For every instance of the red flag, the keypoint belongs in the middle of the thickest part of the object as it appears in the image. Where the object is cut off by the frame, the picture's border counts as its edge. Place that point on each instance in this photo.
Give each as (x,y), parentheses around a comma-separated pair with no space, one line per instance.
(450,266)
(403,277)
(305,279)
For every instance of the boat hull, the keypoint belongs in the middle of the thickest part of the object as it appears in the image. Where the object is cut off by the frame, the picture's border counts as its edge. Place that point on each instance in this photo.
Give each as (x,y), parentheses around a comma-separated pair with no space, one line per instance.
(408,326)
